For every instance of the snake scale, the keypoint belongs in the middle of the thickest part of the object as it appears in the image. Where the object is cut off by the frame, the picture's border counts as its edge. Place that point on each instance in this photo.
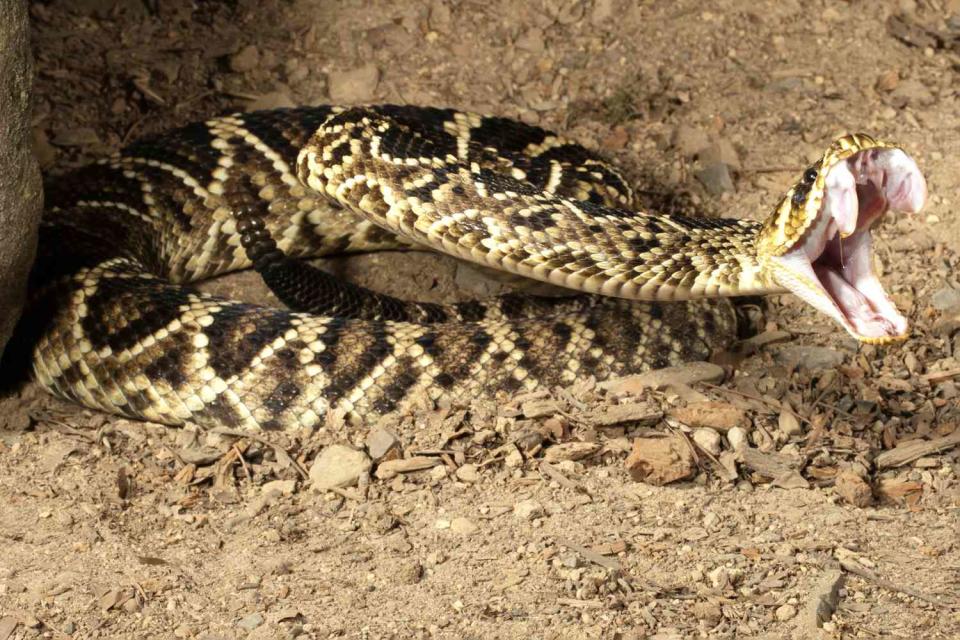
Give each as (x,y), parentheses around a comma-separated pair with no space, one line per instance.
(116,325)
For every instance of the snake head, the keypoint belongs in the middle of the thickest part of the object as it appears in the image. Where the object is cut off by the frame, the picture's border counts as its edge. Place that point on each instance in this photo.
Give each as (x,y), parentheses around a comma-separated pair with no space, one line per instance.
(817,242)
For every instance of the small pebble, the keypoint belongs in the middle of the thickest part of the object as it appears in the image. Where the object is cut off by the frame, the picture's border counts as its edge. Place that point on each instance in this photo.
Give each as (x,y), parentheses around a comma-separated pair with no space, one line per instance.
(463,526)
(785,612)
(528,509)
(381,443)
(353,85)
(737,438)
(708,440)
(468,473)
(251,621)
(338,466)
(514,459)
(789,425)
(246,59)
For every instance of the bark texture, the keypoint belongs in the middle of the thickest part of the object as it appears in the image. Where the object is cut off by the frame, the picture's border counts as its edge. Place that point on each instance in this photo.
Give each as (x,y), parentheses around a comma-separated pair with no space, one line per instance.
(21,192)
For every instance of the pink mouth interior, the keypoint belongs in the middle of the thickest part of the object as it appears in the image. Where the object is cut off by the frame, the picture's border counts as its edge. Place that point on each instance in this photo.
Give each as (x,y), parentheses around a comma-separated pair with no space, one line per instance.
(836,255)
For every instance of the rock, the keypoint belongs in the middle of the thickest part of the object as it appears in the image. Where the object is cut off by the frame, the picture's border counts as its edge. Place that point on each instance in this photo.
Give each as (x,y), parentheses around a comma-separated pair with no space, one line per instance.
(721,416)
(272,100)
(251,621)
(721,578)
(887,81)
(20,185)
(570,451)
(382,444)
(689,141)
(785,612)
(76,137)
(659,461)
(354,85)
(531,41)
(514,459)
(912,92)
(708,440)
(463,526)
(737,437)
(709,612)
(282,487)
(824,599)
(45,153)
(338,466)
(853,489)
(809,358)
(945,299)
(602,11)
(716,178)
(528,510)
(439,17)
(616,140)
(722,151)
(468,473)
(789,425)
(245,60)
(438,473)
(410,572)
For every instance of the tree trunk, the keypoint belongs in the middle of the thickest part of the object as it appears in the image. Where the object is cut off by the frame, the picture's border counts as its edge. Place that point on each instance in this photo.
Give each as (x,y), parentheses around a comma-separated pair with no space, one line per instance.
(21,193)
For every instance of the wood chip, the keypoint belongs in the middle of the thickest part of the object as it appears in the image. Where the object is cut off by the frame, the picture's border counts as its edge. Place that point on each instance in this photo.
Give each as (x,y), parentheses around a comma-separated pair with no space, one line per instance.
(853,489)
(570,451)
(721,416)
(540,408)
(909,451)
(767,465)
(689,373)
(939,376)
(897,491)
(617,413)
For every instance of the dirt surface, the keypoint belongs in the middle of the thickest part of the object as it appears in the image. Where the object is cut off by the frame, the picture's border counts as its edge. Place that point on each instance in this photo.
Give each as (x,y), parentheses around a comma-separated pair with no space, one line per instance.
(814,492)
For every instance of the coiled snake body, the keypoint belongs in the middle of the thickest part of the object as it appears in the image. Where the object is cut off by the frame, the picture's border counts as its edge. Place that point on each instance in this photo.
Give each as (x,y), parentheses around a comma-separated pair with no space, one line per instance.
(118,327)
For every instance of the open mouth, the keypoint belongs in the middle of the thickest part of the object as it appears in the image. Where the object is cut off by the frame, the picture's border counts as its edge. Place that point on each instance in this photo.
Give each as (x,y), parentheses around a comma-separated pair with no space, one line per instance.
(831,266)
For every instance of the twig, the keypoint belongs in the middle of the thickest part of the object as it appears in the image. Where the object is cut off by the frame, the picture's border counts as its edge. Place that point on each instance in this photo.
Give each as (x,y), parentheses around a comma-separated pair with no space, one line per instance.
(243,463)
(280,452)
(859,570)
(607,563)
(555,474)
(940,376)
(770,403)
(583,604)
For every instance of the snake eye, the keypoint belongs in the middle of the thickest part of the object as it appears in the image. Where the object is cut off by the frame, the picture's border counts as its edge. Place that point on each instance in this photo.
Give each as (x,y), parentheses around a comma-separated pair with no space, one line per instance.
(810,175)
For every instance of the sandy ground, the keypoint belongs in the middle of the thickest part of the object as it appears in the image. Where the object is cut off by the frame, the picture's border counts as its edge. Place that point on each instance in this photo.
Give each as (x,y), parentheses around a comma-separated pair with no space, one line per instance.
(116,529)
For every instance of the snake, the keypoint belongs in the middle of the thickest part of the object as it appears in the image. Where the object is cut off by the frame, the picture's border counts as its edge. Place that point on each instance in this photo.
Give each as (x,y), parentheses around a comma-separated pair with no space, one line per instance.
(117,323)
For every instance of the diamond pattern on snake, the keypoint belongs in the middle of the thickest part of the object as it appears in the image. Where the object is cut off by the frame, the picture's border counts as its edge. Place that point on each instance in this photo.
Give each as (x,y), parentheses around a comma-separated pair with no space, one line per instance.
(116,323)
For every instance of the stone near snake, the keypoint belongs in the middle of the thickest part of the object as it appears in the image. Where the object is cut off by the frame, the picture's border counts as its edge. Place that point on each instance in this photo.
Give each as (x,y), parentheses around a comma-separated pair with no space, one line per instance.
(115,325)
